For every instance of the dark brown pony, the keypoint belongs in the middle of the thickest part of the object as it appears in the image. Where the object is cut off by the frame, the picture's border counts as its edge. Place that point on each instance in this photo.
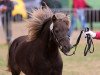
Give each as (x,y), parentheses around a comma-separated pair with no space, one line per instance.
(37,53)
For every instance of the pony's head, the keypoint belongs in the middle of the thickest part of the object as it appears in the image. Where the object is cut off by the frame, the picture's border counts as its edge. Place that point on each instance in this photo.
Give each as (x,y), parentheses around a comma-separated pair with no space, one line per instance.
(59,28)
(58,25)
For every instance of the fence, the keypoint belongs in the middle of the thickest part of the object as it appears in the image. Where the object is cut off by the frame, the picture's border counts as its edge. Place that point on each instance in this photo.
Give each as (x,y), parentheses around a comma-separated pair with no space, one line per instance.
(91,15)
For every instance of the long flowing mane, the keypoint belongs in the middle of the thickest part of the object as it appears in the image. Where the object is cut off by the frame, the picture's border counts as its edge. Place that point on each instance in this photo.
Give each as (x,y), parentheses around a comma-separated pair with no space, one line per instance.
(38,17)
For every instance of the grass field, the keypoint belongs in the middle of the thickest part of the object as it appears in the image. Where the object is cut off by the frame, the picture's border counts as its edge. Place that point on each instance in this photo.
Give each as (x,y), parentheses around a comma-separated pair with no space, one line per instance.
(73,65)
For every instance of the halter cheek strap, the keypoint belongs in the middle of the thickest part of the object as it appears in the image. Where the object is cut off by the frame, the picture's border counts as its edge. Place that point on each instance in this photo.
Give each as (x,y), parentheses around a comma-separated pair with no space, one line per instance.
(51,29)
(60,46)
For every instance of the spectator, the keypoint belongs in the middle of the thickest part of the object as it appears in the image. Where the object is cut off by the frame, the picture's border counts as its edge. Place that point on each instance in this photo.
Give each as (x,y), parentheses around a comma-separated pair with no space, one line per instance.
(78,12)
(6,19)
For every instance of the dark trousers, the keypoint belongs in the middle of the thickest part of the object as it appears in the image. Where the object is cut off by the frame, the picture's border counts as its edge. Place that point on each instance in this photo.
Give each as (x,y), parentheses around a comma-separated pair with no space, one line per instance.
(6,21)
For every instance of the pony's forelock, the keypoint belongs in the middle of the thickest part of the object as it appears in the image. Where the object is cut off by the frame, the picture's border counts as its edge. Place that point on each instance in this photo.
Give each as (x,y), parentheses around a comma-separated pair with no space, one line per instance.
(64,17)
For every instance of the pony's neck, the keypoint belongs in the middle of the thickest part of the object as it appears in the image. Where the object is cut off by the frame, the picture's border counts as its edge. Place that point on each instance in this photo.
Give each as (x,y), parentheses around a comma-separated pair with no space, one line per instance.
(49,44)
(46,35)
(49,47)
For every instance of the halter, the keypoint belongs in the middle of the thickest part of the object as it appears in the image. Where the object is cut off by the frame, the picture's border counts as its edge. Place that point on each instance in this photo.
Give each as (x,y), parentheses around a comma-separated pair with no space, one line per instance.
(59,45)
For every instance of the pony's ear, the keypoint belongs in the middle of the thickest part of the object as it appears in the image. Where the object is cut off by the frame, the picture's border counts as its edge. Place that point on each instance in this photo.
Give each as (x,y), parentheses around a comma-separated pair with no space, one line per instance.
(43,4)
(54,18)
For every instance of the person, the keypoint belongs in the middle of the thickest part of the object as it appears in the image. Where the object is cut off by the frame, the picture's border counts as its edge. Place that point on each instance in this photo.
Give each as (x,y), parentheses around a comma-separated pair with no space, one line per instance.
(2,8)
(78,12)
(6,18)
(95,35)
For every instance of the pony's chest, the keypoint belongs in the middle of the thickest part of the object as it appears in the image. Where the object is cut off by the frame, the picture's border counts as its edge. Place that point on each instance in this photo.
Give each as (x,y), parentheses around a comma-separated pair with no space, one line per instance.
(48,66)
(53,63)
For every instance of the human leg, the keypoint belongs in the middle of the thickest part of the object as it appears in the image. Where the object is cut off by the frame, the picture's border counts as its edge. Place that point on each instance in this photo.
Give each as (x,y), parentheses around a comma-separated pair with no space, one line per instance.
(81,16)
(7,27)
(73,24)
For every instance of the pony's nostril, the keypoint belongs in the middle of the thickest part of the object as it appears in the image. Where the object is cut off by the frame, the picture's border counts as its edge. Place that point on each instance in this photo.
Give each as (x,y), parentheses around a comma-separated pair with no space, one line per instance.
(66,48)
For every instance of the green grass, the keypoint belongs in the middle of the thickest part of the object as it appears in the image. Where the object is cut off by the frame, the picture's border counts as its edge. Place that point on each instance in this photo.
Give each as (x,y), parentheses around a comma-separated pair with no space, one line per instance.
(79,64)
(3,55)
(2,62)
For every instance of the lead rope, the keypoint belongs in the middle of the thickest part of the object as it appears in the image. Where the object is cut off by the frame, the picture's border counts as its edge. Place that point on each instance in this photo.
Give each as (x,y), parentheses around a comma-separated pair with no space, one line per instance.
(77,42)
(88,45)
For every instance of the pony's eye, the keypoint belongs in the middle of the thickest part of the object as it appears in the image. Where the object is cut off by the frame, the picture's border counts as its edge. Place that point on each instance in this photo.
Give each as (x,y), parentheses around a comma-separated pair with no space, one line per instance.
(56,31)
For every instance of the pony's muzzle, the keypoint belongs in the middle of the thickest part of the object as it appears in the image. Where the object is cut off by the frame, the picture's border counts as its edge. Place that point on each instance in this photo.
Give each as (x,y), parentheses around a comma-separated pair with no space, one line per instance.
(65,49)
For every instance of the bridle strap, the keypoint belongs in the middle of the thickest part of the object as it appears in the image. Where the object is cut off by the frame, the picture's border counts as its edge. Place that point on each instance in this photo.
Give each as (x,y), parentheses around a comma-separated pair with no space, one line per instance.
(78,39)
(77,42)
(60,46)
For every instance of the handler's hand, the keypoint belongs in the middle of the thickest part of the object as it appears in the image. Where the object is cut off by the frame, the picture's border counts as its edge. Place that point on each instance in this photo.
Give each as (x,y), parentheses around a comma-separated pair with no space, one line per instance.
(93,34)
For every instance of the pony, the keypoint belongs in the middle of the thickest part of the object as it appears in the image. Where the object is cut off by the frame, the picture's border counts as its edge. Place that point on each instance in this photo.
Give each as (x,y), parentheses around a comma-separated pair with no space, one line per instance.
(38,52)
